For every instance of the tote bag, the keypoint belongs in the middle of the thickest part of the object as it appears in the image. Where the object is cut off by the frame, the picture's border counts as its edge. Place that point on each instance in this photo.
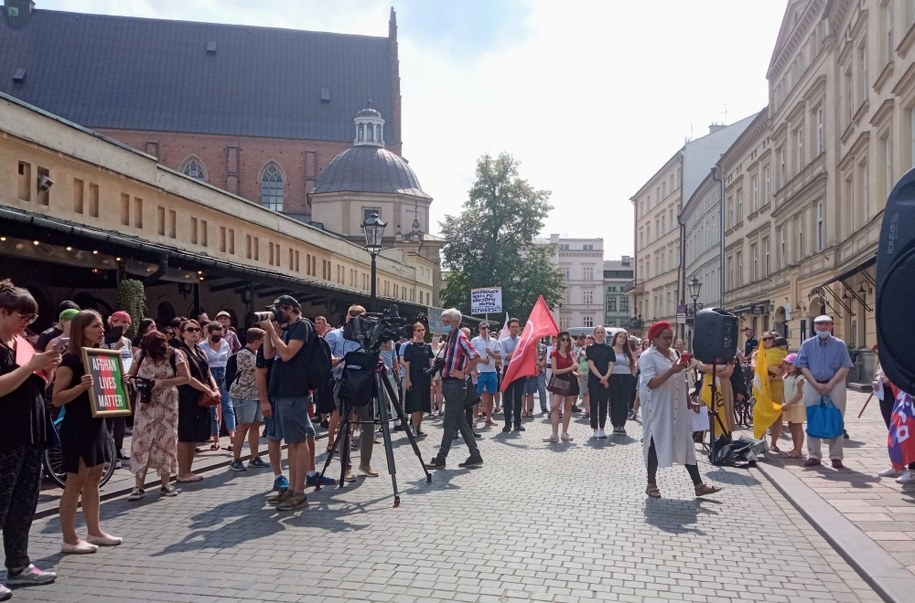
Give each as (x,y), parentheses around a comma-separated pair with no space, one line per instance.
(824,420)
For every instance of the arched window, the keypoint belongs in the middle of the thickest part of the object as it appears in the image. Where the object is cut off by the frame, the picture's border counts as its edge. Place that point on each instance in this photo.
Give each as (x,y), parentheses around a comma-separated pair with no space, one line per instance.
(272,188)
(193,167)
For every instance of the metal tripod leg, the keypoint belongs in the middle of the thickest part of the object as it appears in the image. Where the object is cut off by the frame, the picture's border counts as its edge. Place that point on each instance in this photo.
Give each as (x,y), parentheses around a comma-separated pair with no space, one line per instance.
(382,406)
(343,440)
(398,410)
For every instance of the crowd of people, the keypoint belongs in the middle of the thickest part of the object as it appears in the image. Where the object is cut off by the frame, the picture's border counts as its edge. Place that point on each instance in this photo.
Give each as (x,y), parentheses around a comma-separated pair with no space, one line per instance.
(194,379)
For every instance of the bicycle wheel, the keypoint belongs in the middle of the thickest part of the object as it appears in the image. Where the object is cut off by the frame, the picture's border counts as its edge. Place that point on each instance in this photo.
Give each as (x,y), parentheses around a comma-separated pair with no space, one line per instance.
(54,465)
(110,465)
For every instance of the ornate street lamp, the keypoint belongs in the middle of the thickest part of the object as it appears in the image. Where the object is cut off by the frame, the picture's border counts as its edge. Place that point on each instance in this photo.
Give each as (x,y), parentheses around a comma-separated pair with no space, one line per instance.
(693,286)
(373,228)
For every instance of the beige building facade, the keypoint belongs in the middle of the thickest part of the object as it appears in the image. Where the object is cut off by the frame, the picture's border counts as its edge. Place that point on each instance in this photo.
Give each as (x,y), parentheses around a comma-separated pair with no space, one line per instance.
(81,211)
(581,261)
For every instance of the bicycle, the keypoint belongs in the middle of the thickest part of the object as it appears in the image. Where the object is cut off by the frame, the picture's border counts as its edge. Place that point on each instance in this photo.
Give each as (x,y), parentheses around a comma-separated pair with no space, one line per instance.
(53,458)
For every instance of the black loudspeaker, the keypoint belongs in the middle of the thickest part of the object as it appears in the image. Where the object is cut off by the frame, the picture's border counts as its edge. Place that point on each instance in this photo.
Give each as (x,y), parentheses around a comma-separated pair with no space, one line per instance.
(896,284)
(715,336)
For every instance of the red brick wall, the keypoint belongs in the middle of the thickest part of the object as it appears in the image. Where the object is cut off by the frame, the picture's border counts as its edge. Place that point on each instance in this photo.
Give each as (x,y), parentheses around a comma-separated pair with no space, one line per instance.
(300,160)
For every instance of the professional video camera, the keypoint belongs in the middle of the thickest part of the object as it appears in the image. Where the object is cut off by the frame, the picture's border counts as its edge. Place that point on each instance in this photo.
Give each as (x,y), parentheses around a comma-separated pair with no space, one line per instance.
(437,365)
(374,328)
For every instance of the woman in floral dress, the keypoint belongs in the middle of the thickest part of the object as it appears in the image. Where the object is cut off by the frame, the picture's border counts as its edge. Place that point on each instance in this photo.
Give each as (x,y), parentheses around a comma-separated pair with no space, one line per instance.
(155,431)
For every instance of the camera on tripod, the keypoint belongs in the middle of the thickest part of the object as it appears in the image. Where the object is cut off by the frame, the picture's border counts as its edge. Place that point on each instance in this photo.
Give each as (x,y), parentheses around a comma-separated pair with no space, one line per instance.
(374,328)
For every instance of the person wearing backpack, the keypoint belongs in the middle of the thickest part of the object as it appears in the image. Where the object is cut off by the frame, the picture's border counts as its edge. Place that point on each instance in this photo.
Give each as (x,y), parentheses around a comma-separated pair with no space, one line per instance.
(242,385)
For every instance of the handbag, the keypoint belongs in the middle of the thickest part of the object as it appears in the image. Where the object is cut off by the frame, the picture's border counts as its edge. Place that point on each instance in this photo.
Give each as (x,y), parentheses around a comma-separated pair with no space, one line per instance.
(824,420)
(560,385)
(207,401)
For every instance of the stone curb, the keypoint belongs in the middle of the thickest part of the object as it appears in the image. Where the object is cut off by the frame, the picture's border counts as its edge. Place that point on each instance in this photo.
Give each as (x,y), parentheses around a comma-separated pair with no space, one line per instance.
(892,581)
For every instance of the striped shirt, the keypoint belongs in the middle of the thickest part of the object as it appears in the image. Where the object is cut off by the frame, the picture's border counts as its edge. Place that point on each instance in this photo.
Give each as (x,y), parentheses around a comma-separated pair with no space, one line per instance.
(457,352)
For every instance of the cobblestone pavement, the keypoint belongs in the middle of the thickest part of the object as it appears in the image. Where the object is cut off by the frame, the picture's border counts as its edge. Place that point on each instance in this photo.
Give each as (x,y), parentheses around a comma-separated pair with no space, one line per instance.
(538,522)
(879,507)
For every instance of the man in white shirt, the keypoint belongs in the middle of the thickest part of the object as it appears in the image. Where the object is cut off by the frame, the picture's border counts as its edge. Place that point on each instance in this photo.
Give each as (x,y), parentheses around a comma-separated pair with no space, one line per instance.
(487,379)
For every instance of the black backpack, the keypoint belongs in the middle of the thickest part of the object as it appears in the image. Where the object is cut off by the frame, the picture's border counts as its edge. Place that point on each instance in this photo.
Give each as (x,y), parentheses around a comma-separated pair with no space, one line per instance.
(232,370)
(318,367)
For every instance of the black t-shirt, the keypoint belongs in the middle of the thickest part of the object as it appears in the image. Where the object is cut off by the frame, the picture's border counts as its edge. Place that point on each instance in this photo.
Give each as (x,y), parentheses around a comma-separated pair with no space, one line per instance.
(22,411)
(751,344)
(288,379)
(418,356)
(601,355)
(45,338)
(264,363)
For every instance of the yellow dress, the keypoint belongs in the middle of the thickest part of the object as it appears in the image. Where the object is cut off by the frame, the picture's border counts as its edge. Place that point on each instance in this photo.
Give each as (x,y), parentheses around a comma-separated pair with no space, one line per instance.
(769,399)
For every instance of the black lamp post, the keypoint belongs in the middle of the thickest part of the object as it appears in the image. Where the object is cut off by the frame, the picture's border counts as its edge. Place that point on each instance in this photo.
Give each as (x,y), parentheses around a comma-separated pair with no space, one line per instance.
(373,228)
(693,286)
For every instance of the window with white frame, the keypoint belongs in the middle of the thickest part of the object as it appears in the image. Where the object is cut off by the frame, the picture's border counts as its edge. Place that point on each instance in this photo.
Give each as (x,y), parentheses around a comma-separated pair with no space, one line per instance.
(765,264)
(587,297)
(738,259)
(587,247)
(663,262)
(782,176)
(587,321)
(818,120)
(739,205)
(754,263)
(730,212)
(587,273)
(663,223)
(782,254)
(754,195)
(886,159)
(766,189)
(273,190)
(799,149)
(887,47)
(193,167)
(864,193)
(801,247)
(863,77)
(821,232)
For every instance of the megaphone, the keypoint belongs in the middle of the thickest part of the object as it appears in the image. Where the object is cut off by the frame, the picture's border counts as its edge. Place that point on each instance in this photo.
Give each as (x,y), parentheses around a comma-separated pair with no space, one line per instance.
(896,284)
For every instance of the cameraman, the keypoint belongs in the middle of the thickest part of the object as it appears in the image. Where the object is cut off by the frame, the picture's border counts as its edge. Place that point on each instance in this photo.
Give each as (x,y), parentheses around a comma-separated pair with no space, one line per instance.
(288,389)
(459,360)
(339,348)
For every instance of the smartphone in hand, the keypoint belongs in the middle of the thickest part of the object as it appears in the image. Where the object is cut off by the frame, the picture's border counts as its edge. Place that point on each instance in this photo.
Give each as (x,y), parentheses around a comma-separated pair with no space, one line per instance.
(686,357)
(62,344)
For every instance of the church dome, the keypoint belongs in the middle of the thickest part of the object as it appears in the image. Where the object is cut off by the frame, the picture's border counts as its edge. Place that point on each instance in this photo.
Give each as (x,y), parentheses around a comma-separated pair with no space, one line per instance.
(369,169)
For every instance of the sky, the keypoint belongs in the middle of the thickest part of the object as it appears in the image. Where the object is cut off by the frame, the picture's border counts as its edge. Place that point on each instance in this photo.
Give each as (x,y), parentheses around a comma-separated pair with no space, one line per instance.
(590,97)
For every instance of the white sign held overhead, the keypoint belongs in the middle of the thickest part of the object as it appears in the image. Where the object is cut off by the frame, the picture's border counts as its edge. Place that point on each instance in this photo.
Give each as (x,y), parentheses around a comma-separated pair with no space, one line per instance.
(486,300)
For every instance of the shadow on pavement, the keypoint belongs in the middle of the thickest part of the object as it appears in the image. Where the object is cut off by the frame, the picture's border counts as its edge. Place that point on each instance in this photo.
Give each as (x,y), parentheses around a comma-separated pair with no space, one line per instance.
(676,516)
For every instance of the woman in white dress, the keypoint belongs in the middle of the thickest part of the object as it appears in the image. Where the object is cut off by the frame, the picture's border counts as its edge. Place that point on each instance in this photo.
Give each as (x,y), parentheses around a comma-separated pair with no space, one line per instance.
(665,411)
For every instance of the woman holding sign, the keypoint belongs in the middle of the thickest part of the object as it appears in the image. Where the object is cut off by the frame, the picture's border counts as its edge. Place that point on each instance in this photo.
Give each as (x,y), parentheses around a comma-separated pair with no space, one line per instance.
(23,432)
(82,439)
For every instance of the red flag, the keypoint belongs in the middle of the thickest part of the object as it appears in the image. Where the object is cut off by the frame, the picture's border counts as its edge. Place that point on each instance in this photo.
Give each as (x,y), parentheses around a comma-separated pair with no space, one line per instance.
(524,360)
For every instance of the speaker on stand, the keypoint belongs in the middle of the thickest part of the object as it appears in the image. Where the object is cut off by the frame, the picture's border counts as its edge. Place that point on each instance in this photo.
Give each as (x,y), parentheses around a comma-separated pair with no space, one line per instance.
(715,343)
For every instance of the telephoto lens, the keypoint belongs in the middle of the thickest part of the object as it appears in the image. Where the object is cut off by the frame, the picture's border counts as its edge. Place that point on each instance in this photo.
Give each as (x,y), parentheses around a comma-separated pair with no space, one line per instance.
(265,315)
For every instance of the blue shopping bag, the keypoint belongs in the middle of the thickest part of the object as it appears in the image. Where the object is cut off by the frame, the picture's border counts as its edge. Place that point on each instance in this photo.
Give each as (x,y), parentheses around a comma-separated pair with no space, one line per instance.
(824,420)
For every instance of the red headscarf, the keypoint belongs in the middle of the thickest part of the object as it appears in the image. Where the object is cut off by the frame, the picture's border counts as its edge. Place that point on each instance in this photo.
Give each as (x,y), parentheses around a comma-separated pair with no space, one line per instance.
(657,328)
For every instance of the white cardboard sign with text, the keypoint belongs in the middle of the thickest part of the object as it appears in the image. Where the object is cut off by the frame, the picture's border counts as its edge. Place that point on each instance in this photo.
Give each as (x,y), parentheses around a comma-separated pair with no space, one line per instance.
(486,300)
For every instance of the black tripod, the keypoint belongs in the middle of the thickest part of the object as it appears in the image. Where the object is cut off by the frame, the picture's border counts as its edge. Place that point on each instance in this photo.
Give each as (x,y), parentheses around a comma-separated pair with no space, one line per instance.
(714,418)
(382,383)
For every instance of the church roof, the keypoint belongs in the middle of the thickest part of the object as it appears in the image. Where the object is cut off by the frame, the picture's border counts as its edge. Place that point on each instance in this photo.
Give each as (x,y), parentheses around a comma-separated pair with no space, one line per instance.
(151,74)
(369,169)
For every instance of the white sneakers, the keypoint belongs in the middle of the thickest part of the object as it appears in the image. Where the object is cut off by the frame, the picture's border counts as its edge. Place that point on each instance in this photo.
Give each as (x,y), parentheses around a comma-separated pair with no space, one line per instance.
(888,473)
(907,477)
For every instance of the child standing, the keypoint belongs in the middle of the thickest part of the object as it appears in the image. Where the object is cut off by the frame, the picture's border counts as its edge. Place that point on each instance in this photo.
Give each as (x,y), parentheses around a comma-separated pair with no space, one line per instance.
(793,410)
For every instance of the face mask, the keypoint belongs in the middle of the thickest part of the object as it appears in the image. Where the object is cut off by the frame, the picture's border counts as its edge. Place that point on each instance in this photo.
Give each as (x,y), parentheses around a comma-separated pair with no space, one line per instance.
(446,329)
(823,334)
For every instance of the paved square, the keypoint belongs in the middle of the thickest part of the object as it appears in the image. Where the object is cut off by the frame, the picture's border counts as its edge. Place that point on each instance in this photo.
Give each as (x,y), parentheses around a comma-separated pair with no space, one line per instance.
(540,522)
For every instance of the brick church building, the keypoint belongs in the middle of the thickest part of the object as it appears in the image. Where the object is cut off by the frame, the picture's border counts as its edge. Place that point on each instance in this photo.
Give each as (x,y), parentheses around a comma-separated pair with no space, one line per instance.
(256,111)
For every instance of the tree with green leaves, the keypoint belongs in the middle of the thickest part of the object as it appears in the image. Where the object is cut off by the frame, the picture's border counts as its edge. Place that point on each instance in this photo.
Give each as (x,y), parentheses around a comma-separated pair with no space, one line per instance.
(491,242)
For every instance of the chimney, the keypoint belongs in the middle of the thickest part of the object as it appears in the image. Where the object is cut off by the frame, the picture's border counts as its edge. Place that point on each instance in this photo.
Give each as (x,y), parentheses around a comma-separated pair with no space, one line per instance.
(716,127)
(17,12)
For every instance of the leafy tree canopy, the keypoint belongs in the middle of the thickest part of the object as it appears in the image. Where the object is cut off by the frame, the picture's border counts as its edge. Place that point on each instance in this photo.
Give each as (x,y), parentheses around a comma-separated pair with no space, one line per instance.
(491,242)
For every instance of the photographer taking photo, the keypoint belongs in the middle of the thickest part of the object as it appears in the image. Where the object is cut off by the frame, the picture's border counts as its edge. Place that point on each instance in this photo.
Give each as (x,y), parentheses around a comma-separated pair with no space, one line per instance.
(288,388)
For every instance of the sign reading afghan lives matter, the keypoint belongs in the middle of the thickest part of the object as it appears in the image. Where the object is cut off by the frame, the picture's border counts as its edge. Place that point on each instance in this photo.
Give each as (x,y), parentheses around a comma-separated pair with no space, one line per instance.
(486,300)
(108,394)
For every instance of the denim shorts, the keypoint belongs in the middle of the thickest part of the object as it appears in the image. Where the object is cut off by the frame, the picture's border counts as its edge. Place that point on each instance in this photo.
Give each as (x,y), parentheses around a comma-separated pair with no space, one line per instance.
(270,424)
(292,422)
(247,411)
(487,383)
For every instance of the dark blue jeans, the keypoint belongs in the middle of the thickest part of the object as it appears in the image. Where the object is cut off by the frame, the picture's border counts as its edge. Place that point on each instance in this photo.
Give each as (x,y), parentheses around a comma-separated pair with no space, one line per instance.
(513,401)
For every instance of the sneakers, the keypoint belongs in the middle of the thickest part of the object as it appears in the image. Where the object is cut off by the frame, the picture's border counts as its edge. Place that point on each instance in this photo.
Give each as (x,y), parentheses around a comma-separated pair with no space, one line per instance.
(136,494)
(294,501)
(238,465)
(596,434)
(619,431)
(80,548)
(601,435)
(368,470)
(566,437)
(907,477)
(475,460)
(317,479)
(168,491)
(27,576)
(520,428)
(812,462)
(436,463)
(5,593)
(280,483)
(888,473)
(258,463)
(278,498)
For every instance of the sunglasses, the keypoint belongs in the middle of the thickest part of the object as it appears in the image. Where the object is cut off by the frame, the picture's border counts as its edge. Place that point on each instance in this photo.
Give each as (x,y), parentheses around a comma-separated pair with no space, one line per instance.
(192,330)
(484,328)
(768,338)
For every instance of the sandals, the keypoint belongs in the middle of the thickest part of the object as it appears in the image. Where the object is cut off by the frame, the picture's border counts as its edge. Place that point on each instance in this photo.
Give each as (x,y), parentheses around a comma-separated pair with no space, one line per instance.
(652,491)
(214,446)
(792,454)
(704,489)
(774,448)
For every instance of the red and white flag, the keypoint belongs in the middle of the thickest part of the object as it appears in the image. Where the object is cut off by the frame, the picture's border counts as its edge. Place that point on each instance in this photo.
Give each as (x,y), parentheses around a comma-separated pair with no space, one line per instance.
(524,360)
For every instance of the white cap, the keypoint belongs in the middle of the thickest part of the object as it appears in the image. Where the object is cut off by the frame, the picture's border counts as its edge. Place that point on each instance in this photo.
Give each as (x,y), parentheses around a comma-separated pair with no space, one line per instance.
(822,318)
(223,313)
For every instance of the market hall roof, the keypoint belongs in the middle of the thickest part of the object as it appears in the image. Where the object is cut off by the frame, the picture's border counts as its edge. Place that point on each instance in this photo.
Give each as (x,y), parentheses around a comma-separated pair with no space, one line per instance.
(133,73)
